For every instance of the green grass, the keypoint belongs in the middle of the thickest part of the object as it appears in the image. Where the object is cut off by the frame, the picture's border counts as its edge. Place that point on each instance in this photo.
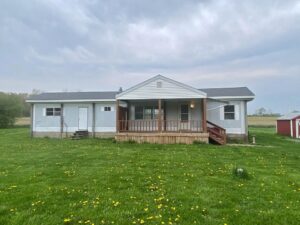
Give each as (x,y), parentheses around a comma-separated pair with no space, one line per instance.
(45,181)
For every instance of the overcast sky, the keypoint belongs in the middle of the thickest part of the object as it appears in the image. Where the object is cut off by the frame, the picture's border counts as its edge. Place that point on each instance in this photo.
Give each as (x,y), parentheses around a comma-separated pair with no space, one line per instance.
(91,45)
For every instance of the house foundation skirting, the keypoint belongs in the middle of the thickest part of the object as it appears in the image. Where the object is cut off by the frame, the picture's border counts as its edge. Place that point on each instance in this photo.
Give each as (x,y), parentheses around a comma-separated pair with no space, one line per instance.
(69,134)
(237,138)
(163,138)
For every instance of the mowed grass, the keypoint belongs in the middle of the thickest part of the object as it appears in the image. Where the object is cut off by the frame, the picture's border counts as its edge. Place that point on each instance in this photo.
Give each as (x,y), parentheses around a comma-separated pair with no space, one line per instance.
(48,181)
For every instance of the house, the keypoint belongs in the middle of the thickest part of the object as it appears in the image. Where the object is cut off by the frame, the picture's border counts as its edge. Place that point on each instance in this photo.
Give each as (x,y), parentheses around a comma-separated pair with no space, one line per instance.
(289,125)
(159,110)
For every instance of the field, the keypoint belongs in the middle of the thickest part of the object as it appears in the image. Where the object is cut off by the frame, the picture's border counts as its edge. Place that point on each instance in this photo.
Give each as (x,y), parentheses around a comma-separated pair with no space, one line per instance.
(93,181)
(266,121)
(252,120)
(23,121)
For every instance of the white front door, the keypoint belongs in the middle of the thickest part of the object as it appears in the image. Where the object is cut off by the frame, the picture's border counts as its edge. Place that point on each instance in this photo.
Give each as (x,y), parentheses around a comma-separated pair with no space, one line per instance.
(83,118)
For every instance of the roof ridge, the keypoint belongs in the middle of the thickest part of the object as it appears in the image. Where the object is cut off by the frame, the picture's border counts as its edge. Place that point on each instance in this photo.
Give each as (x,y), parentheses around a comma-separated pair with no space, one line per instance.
(225,87)
(64,92)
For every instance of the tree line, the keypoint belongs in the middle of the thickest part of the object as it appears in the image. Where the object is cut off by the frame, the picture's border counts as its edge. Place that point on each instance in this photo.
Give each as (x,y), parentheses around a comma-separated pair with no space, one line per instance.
(12,105)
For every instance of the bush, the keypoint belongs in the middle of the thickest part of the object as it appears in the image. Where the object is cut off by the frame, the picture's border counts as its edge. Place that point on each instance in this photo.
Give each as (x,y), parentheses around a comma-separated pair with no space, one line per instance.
(240,172)
(10,108)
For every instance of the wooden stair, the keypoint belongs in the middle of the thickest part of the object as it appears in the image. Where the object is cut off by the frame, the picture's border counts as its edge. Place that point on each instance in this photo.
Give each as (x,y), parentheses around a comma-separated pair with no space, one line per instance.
(217,134)
(80,134)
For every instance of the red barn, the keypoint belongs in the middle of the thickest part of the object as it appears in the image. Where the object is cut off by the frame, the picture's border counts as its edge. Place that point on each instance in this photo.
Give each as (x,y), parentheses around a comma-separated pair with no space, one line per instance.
(289,125)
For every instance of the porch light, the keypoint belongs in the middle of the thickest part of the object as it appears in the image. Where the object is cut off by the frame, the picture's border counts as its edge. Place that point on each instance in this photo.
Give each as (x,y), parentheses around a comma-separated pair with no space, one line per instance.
(192,105)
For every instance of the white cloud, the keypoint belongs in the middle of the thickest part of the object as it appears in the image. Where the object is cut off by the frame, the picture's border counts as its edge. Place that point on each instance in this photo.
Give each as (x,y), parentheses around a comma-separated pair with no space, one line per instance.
(204,43)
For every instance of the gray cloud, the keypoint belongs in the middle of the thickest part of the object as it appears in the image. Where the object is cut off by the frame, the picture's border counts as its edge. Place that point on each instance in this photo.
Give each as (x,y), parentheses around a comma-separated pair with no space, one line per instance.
(95,45)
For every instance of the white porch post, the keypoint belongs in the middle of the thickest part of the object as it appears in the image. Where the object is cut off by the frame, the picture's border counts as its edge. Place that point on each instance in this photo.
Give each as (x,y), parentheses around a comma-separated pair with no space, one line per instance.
(117,116)
(159,115)
(204,120)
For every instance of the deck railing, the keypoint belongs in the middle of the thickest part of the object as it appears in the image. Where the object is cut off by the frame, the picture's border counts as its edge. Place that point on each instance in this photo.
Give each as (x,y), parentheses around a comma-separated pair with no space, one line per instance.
(160,126)
(216,132)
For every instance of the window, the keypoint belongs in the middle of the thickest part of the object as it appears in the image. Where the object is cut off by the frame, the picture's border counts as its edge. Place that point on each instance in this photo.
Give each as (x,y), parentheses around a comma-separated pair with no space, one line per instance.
(138,113)
(53,111)
(147,112)
(107,108)
(184,112)
(229,112)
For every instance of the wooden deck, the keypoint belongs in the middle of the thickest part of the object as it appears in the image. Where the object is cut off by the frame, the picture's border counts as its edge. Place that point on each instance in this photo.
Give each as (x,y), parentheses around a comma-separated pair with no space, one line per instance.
(163,138)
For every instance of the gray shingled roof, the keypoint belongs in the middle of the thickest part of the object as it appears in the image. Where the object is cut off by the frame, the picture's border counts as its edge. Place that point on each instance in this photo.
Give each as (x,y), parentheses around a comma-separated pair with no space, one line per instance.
(73,96)
(211,92)
(228,92)
(289,116)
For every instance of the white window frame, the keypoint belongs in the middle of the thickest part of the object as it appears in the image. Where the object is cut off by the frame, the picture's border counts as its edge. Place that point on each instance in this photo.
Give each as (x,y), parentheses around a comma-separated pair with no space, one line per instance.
(103,108)
(231,112)
(188,113)
(54,111)
(107,109)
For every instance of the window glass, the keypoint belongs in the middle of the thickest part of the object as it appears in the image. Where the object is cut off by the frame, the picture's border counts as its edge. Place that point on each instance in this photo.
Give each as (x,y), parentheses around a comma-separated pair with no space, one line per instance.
(147,112)
(138,113)
(184,112)
(107,108)
(57,111)
(49,112)
(148,115)
(53,111)
(229,112)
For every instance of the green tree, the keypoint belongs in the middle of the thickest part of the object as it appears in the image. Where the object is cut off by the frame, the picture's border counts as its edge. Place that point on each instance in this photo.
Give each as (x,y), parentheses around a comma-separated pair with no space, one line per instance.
(10,108)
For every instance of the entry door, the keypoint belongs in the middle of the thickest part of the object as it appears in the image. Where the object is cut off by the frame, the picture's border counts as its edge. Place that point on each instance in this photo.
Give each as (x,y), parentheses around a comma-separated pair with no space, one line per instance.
(83,118)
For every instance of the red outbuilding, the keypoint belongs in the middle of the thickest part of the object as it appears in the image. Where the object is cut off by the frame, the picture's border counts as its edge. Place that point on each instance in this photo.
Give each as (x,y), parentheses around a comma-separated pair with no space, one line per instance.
(289,125)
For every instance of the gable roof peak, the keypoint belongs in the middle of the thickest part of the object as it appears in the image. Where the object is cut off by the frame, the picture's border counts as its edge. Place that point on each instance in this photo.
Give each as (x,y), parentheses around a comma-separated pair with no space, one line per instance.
(193,90)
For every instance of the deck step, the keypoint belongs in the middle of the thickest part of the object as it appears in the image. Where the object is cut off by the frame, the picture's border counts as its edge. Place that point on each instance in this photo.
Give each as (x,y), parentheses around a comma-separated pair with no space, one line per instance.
(217,134)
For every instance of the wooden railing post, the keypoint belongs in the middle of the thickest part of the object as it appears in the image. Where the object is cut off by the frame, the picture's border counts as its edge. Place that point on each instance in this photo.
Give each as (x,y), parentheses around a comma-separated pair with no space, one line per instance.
(204,120)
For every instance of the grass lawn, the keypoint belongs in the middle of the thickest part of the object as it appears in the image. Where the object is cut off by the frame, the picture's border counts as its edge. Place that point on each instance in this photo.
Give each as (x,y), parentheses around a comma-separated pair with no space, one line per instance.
(48,181)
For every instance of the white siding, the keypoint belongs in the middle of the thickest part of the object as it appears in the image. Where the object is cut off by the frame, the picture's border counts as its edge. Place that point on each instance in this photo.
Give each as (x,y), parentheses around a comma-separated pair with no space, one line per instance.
(43,123)
(215,114)
(104,121)
(168,90)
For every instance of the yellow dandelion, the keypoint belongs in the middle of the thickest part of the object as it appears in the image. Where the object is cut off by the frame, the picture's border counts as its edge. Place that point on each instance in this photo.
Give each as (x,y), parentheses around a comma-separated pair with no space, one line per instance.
(67,220)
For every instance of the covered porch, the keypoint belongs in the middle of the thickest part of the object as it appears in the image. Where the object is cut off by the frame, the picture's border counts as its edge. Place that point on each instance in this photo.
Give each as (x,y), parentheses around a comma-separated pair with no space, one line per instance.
(162,110)
(162,121)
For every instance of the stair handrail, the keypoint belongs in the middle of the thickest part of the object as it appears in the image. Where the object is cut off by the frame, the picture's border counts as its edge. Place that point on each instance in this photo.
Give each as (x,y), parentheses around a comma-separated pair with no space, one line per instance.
(221,134)
(215,125)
